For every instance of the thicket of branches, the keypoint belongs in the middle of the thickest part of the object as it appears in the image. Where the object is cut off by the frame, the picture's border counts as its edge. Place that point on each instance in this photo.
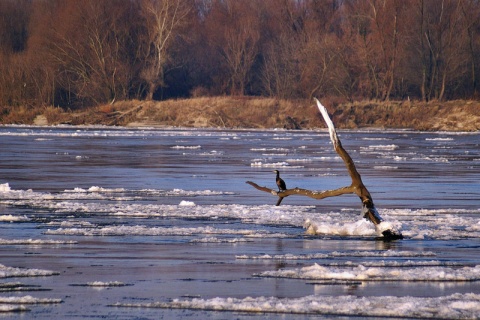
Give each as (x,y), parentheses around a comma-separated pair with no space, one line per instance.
(74,53)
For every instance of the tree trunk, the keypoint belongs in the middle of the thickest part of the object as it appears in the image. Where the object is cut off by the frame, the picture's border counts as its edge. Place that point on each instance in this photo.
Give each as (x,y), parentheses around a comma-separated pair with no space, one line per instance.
(151,90)
(357,187)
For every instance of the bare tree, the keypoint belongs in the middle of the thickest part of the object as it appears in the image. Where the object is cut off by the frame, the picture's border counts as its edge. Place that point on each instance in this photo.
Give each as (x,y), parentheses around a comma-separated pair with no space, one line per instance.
(387,17)
(438,40)
(89,44)
(164,19)
(471,15)
(234,31)
(357,187)
(83,52)
(280,76)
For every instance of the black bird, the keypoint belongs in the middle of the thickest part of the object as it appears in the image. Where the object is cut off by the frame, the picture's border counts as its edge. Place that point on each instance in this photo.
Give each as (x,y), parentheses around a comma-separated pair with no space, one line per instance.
(280,183)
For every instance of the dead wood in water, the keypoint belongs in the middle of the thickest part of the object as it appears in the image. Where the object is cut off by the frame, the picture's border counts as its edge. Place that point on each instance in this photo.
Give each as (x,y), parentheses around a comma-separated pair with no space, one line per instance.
(356,187)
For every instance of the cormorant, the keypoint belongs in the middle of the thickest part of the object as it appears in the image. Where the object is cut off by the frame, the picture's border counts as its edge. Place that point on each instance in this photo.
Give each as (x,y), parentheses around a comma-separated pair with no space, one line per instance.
(280,183)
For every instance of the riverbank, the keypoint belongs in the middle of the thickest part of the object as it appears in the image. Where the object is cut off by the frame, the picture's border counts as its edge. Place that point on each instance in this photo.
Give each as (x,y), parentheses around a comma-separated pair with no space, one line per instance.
(254,112)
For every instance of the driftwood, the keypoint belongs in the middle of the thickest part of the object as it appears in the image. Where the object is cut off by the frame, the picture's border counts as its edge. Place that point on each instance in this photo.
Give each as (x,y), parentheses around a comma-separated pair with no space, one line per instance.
(357,187)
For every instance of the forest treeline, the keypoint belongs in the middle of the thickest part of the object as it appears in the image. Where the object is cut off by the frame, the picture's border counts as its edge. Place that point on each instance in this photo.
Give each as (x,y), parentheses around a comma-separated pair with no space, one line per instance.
(76,53)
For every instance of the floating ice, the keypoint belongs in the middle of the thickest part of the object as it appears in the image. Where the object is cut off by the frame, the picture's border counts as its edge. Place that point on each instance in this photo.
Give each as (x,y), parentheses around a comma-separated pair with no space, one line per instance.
(336,254)
(34,242)
(186,203)
(12,308)
(439,139)
(269,165)
(385,167)
(151,231)
(10,196)
(10,272)
(382,253)
(389,147)
(362,273)
(28,300)
(355,228)
(100,189)
(186,147)
(269,149)
(300,160)
(181,192)
(387,226)
(217,240)
(455,306)
(116,202)
(4,187)
(12,218)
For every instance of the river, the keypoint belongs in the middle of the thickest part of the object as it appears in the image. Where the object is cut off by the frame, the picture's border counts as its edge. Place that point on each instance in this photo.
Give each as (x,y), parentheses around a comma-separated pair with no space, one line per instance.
(148,223)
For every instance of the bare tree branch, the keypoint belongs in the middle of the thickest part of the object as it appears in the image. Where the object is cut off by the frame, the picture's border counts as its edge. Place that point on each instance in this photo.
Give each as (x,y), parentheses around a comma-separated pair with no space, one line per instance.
(304,192)
(357,187)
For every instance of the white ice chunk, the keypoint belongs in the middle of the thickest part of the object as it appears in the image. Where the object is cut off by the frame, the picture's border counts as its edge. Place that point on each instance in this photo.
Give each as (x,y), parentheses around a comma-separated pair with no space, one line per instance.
(455,306)
(362,273)
(4,187)
(8,272)
(185,203)
(28,300)
(12,218)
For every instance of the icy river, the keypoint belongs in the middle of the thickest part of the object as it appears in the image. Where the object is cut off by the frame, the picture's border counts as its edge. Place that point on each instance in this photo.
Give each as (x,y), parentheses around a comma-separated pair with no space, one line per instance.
(127,223)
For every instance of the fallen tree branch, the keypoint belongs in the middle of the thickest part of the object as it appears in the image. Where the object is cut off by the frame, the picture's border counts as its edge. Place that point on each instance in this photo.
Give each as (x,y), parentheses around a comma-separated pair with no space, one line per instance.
(304,192)
(357,187)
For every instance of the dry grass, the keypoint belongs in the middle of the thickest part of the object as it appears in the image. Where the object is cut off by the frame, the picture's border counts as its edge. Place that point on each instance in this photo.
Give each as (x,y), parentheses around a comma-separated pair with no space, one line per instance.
(232,112)
(55,115)
(18,115)
(255,112)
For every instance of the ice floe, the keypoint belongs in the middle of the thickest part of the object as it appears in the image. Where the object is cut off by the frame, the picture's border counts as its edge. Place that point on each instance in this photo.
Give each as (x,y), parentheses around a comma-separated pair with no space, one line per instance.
(336,254)
(218,240)
(353,228)
(389,147)
(5,187)
(35,242)
(186,147)
(12,218)
(270,165)
(420,223)
(153,231)
(186,203)
(28,300)
(363,273)
(439,139)
(455,306)
(4,308)
(10,272)
(21,287)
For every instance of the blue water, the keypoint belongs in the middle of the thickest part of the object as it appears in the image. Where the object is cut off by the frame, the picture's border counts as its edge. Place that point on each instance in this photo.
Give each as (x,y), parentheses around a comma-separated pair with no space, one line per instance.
(432,176)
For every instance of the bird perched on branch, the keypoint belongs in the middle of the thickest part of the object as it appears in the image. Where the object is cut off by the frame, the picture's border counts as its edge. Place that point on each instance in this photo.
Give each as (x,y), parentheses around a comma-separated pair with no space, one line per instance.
(280,183)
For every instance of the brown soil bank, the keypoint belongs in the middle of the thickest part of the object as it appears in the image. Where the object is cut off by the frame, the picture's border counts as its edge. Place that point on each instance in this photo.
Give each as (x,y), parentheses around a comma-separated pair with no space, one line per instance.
(249,112)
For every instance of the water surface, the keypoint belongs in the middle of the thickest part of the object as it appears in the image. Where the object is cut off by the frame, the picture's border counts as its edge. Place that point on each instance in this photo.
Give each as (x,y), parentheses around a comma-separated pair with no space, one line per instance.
(152,223)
